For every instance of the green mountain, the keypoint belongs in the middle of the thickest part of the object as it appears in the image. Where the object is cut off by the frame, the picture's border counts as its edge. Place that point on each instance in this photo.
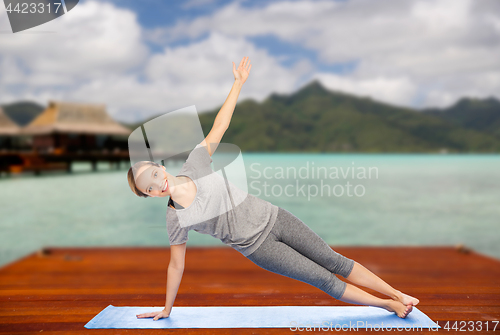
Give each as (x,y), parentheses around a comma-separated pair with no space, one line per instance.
(22,112)
(314,119)
(477,114)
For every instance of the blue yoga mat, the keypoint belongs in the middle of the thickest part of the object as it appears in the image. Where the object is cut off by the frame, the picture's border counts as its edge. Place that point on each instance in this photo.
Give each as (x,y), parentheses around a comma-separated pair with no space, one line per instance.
(293,317)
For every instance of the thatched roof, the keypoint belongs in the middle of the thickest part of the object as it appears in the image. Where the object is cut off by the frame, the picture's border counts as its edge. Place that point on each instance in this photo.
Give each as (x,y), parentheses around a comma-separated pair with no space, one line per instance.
(66,117)
(7,126)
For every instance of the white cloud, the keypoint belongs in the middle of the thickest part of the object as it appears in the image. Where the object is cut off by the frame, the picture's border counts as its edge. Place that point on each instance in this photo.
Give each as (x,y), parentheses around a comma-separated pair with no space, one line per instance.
(430,43)
(210,62)
(197,74)
(397,91)
(430,52)
(97,54)
(92,41)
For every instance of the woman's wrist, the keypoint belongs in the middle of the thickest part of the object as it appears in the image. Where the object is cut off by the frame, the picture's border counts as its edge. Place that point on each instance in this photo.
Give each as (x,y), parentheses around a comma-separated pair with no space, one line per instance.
(238,82)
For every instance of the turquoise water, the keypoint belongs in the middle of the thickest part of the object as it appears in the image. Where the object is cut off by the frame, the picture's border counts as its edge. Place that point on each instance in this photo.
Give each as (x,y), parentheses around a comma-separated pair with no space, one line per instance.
(407,200)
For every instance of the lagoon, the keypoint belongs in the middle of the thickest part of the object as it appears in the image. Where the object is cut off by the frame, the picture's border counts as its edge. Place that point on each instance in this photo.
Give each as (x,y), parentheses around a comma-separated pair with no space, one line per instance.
(408,199)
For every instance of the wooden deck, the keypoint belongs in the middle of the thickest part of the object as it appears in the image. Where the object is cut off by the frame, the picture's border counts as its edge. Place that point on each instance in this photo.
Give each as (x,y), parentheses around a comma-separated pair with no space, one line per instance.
(59,290)
(14,162)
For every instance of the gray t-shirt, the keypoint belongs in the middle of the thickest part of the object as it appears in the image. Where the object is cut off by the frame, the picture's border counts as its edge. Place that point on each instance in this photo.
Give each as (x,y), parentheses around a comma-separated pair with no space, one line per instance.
(243,226)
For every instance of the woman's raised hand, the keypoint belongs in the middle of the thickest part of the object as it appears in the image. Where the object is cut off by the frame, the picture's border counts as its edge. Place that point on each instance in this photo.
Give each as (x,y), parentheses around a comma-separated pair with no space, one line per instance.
(156,315)
(241,73)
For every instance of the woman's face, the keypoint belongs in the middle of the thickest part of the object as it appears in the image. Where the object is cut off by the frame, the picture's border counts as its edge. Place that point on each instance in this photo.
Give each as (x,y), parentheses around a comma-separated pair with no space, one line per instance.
(154,181)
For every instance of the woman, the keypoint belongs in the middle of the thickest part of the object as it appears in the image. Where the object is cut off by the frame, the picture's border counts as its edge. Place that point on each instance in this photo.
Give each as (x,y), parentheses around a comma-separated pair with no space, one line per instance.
(270,236)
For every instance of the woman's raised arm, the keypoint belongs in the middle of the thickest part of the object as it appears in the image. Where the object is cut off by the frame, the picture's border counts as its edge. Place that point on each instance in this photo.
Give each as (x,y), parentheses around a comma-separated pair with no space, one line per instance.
(225,114)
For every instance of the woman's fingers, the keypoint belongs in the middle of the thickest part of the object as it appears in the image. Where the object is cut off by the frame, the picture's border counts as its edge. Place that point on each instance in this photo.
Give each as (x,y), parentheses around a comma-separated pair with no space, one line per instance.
(148,315)
(155,315)
(243,69)
(243,63)
(163,314)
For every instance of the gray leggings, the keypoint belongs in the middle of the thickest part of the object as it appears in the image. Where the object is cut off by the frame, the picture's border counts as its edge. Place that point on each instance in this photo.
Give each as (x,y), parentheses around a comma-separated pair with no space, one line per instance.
(293,250)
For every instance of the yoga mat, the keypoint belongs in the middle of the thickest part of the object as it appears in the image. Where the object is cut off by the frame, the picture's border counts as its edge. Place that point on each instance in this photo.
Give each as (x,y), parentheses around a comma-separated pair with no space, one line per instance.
(323,317)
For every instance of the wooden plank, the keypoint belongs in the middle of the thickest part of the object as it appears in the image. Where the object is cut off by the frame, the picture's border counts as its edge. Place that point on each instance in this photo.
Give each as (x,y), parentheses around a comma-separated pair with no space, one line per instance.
(58,290)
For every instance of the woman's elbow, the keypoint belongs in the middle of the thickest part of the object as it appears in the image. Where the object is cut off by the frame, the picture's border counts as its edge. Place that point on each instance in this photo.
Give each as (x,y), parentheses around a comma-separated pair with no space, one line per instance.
(176,267)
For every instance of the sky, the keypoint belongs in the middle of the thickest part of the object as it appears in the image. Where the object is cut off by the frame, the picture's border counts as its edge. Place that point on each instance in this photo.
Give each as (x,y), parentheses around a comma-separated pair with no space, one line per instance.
(149,57)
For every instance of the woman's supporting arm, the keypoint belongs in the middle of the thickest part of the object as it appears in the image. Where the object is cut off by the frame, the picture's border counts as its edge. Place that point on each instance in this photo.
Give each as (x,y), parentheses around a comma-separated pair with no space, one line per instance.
(174,273)
(174,277)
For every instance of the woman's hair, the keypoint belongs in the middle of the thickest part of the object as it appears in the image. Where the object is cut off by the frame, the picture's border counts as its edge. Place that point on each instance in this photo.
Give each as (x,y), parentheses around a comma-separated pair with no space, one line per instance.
(133,172)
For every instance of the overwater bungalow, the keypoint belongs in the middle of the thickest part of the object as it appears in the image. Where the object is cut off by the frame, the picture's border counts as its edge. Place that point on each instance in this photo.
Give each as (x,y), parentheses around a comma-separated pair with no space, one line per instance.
(9,132)
(62,134)
(65,127)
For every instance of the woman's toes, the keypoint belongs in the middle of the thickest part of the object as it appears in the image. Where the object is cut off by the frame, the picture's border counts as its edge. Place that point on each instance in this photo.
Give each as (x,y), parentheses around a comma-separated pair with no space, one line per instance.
(409,308)
(398,308)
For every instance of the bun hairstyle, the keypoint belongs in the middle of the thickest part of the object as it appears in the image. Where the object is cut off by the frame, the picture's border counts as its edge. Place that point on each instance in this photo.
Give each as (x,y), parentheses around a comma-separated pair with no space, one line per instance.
(133,171)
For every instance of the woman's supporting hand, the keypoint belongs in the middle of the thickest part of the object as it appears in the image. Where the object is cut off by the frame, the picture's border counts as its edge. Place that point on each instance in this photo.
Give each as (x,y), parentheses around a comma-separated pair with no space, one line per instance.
(241,73)
(157,315)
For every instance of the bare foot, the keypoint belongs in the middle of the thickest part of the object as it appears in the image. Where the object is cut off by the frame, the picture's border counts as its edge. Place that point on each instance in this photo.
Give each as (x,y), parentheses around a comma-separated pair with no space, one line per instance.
(408,309)
(406,299)
(397,307)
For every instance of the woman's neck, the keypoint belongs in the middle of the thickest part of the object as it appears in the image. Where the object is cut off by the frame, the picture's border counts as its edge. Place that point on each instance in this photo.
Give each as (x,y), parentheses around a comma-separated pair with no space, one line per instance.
(182,190)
